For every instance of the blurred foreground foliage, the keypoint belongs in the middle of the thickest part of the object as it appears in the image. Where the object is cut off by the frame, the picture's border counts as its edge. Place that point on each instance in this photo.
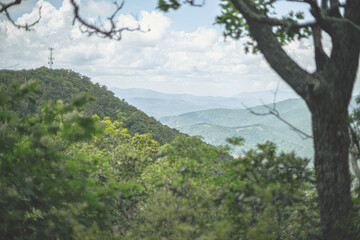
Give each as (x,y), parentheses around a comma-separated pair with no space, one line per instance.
(47,193)
(67,176)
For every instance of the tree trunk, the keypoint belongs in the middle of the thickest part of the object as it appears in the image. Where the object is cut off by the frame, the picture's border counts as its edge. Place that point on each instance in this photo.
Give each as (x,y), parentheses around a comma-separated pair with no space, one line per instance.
(331,142)
(327,93)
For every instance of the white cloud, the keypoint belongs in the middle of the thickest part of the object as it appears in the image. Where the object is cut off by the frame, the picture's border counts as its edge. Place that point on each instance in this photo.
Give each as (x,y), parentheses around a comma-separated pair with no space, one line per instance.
(93,8)
(198,62)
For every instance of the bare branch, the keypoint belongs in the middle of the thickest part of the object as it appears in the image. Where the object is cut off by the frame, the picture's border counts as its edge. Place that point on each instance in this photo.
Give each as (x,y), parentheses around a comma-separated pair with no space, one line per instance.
(321,58)
(275,93)
(273,111)
(26,26)
(5,6)
(113,32)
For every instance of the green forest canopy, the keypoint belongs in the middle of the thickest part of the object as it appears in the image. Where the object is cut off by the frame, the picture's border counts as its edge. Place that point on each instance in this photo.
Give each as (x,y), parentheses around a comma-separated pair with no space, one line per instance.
(61,84)
(66,175)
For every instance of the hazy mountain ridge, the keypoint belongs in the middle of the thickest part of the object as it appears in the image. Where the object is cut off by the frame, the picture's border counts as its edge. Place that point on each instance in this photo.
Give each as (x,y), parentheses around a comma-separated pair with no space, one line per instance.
(176,104)
(218,118)
(292,110)
(215,125)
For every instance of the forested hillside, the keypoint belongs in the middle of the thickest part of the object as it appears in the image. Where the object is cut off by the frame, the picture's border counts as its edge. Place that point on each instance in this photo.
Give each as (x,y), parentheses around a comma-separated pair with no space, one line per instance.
(65,175)
(62,84)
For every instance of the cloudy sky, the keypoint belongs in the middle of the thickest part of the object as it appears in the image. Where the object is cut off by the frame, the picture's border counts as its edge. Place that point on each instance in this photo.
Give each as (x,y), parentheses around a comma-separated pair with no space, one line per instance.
(184,52)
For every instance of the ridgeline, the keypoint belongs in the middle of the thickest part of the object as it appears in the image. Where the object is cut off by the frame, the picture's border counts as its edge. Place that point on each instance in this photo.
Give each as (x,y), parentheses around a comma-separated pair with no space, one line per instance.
(62,84)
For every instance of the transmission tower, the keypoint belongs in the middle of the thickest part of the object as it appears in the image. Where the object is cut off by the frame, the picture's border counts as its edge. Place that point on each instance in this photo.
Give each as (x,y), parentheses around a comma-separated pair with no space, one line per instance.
(51,58)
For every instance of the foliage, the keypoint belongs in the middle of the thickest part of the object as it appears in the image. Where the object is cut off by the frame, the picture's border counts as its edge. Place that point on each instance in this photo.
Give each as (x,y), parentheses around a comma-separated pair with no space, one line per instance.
(46,194)
(129,155)
(236,27)
(181,189)
(67,176)
(352,223)
(327,90)
(269,196)
(268,199)
(260,195)
(126,157)
(63,84)
(165,5)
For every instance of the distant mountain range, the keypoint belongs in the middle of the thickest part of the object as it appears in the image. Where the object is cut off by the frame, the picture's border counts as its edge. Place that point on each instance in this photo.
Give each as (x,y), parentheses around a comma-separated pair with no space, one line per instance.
(215,125)
(217,118)
(159,105)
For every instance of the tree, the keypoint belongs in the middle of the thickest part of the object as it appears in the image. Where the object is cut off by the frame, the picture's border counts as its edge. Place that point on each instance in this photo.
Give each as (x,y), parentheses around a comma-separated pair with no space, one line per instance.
(47,191)
(326,91)
(198,191)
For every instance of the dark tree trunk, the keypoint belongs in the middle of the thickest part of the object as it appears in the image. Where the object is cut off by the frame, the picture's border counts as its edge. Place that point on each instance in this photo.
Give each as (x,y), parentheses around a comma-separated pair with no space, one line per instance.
(331,137)
(327,93)
(331,142)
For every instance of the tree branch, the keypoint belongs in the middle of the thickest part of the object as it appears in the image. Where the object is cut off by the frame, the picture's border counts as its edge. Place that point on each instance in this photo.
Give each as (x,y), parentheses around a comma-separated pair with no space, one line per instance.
(301,81)
(113,32)
(352,16)
(5,6)
(27,26)
(273,111)
(320,16)
(321,58)
(334,9)
(352,9)
(330,18)
(279,22)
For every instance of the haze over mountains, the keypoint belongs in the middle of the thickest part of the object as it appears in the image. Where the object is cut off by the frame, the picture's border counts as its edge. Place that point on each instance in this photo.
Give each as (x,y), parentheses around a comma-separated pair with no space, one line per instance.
(215,125)
(218,118)
(159,104)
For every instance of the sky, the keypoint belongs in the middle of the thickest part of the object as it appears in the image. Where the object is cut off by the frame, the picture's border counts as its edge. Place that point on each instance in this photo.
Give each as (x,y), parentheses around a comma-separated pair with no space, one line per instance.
(184,52)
